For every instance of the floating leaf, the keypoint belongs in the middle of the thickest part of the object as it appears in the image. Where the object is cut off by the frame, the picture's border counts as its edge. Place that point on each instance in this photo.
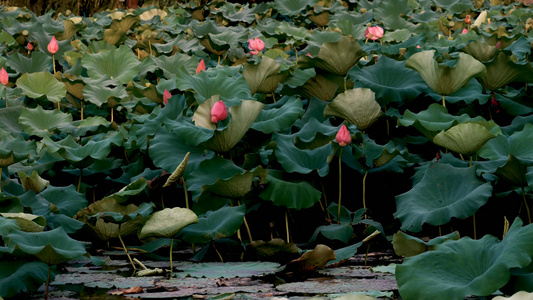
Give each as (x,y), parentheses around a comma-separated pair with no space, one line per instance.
(229,270)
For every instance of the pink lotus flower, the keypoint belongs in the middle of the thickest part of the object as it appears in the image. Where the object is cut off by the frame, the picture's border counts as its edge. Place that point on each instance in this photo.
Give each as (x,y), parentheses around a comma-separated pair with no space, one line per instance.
(498,45)
(201,67)
(30,46)
(464,31)
(256,45)
(418,47)
(53,46)
(4,78)
(374,33)
(166,96)
(218,112)
(343,136)
(468,19)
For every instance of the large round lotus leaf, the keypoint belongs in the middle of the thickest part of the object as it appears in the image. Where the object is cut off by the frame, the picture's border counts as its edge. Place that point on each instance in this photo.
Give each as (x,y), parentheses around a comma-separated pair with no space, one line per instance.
(51,247)
(100,94)
(78,155)
(27,222)
(37,62)
(444,192)
(466,267)
(171,65)
(168,222)
(514,171)
(443,79)
(339,57)
(320,87)
(237,186)
(119,28)
(121,65)
(464,138)
(503,70)
(297,195)
(357,106)
(13,150)
(295,33)
(215,225)
(21,276)
(256,74)
(33,182)
(390,79)
(242,117)
(481,51)
(278,116)
(341,232)
(517,144)
(40,122)
(292,7)
(406,245)
(36,85)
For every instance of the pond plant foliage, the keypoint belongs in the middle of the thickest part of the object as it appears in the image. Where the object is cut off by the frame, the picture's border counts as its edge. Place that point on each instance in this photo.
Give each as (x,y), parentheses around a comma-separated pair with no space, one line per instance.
(244,130)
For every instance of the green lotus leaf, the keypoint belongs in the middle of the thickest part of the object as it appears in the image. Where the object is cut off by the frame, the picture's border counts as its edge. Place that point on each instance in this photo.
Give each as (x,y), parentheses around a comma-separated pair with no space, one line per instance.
(21,276)
(400,35)
(315,134)
(433,120)
(120,65)
(464,138)
(341,232)
(33,182)
(237,13)
(51,247)
(466,267)
(274,248)
(390,79)
(470,93)
(27,222)
(293,159)
(232,37)
(339,57)
(294,32)
(481,51)
(100,94)
(37,62)
(58,200)
(407,246)
(443,79)
(9,119)
(7,38)
(158,224)
(345,253)
(503,70)
(225,82)
(293,7)
(242,117)
(514,171)
(256,74)
(516,144)
(13,150)
(36,85)
(43,123)
(237,186)
(279,116)
(298,195)
(119,28)
(215,225)
(10,205)
(357,106)
(444,192)
(171,65)
(135,188)
(320,87)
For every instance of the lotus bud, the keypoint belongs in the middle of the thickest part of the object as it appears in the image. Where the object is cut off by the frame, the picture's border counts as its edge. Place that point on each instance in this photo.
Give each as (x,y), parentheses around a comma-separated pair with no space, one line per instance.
(30,46)
(53,46)
(4,77)
(468,19)
(166,96)
(343,136)
(256,45)
(498,45)
(464,31)
(201,67)
(218,112)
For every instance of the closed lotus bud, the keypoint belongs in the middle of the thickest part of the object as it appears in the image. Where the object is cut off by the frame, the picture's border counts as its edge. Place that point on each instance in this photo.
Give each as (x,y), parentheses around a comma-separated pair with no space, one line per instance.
(4,78)
(53,46)
(343,136)
(256,45)
(166,96)
(201,67)
(468,19)
(464,31)
(30,46)
(498,45)
(218,112)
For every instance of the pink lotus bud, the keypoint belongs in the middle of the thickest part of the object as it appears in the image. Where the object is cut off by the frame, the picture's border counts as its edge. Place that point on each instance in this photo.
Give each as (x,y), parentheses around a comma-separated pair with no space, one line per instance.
(498,45)
(4,78)
(201,66)
(308,54)
(343,136)
(464,31)
(418,47)
(256,45)
(53,46)
(218,112)
(494,101)
(166,96)
(374,33)
(30,46)
(468,19)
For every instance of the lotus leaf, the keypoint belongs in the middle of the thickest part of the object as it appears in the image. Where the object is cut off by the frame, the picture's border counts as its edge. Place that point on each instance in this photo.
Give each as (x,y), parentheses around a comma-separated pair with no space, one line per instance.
(33,182)
(17,276)
(13,150)
(343,254)
(168,222)
(341,232)
(466,267)
(297,195)
(274,248)
(237,186)
(443,79)
(516,144)
(27,222)
(311,261)
(513,171)
(339,57)
(43,123)
(320,87)
(36,85)
(229,270)
(481,51)
(293,8)
(521,295)
(98,93)
(407,246)
(9,119)
(10,205)
(118,29)
(171,65)
(37,62)
(279,116)
(444,192)
(464,138)
(120,65)
(357,106)
(255,75)
(295,33)
(503,70)
(51,247)
(132,189)
(218,224)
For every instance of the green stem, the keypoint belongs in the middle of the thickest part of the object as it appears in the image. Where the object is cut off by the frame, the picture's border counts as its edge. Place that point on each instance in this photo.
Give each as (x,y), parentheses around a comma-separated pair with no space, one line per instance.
(525,203)
(219,256)
(366,255)
(364,191)
(54,62)
(171,244)
(287,226)
(340,188)
(79,180)
(186,193)
(444,100)
(125,249)
(246,225)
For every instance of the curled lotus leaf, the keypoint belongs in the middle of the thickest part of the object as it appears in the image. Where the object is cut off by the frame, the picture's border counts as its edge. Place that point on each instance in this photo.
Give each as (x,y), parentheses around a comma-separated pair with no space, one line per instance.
(443,79)
(481,51)
(33,182)
(313,260)
(237,186)
(521,295)
(513,171)
(40,122)
(357,106)
(255,75)
(464,138)
(168,222)
(320,87)
(407,245)
(502,70)
(27,222)
(339,57)
(13,150)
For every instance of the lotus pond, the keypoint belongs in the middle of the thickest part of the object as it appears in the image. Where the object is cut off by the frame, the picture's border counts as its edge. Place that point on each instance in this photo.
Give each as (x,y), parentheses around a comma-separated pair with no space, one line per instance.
(278,139)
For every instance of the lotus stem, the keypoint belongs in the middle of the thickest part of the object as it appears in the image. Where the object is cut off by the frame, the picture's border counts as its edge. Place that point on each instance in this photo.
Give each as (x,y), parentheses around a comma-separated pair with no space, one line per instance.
(150,46)
(246,225)
(5,95)
(296,54)
(273,97)
(79,180)
(364,191)
(340,187)
(162,202)
(345,88)
(54,62)
(218,62)
(138,54)
(525,203)
(440,231)
(58,105)
(287,225)
(325,201)
(219,255)
(444,100)
(48,281)
(171,244)
(186,194)
(125,249)
(366,255)
(111,115)
(82,110)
